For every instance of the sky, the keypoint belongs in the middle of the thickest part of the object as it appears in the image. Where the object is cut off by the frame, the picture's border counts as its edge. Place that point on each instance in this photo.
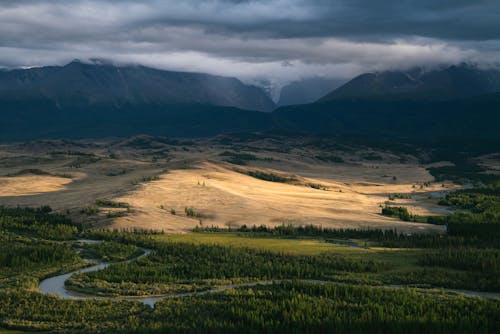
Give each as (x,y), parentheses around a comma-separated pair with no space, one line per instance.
(275,40)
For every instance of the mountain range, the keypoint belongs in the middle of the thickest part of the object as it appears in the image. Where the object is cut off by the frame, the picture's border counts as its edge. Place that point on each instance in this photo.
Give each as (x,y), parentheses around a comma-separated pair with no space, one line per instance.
(89,84)
(82,100)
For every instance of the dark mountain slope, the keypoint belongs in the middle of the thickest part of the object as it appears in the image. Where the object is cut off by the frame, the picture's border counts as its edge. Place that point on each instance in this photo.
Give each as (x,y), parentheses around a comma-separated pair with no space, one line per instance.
(78,84)
(473,117)
(441,84)
(307,90)
(29,119)
(476,117)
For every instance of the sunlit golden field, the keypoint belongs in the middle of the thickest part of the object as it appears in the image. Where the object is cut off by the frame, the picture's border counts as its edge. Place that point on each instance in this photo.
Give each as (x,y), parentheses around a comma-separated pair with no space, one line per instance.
(227,198)
(31,185)
(159,181)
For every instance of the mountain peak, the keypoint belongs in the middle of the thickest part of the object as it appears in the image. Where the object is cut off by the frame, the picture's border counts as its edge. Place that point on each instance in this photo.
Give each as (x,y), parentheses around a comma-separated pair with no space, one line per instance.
(101,61)
(74,61)
(455,81)
(100,82)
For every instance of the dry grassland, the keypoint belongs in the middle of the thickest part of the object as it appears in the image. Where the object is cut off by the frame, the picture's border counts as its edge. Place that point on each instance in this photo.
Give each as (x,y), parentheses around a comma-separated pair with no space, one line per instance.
(224,197)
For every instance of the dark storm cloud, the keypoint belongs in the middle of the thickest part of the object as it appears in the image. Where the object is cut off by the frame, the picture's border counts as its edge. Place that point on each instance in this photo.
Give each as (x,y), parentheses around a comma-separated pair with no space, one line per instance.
(252,39)
(457,19)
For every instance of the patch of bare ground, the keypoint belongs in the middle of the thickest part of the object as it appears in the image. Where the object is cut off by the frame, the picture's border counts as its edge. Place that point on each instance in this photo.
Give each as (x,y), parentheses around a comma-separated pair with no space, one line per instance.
(31,184)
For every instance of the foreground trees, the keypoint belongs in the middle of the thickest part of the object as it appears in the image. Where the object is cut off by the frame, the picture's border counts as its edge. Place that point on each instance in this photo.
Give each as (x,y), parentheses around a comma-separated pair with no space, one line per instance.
(292,307)
(34,244)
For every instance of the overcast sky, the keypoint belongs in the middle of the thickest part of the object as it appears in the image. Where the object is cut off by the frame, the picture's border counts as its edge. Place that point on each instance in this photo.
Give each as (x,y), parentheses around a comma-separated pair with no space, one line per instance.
(279,40)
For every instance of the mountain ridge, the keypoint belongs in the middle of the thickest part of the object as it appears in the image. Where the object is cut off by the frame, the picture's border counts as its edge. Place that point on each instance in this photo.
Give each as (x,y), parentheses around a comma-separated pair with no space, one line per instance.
(90,84)
(455,81)
(39,115)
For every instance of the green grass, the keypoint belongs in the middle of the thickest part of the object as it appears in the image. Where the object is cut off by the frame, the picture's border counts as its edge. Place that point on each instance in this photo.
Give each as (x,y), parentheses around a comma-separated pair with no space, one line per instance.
(401,258)
(280,245)
(398,260)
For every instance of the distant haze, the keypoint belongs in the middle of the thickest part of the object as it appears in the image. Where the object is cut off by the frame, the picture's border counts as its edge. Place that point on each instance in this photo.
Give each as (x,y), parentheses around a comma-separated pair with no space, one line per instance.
(307,90)
(279,41)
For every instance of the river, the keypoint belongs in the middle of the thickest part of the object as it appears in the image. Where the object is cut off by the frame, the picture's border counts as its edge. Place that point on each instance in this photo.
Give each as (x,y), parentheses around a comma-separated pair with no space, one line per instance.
(56,285)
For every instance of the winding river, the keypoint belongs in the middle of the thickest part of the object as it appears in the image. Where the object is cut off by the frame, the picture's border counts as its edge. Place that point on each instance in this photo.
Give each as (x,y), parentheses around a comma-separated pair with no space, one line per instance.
(55,285)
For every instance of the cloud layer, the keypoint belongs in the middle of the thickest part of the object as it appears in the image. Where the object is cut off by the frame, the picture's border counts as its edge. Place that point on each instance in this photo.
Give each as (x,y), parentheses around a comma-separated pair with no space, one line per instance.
(277,40)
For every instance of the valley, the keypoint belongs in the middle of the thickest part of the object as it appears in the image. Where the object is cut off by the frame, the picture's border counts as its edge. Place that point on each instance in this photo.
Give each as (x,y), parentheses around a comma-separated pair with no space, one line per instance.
(249,167)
